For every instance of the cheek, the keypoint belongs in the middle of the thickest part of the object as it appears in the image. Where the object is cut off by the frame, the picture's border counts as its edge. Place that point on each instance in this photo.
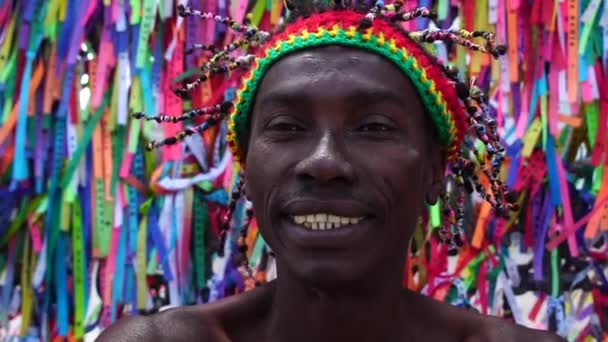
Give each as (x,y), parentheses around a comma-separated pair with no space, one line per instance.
(264,163)
(262,175)
(398,173)
(257,175)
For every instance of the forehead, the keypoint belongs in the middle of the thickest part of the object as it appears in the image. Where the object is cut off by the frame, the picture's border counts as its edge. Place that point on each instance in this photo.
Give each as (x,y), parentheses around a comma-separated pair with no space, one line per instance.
(336,71)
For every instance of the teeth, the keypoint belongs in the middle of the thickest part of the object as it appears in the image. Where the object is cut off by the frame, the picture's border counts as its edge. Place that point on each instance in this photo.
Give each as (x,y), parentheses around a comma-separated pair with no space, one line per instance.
(323,221)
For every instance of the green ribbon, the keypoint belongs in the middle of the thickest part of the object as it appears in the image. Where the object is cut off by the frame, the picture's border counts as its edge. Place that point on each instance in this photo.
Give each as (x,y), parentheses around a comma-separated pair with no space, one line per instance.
(555,273)
(84,142)
(200,210)
(79,257)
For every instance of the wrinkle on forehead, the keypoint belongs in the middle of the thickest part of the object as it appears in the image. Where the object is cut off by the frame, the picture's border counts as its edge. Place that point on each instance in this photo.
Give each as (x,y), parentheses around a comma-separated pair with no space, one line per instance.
(332,57)
(333,68)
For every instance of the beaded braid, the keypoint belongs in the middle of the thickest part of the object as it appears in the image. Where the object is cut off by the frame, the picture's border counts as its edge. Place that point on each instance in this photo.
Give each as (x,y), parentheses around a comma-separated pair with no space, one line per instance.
(243,259)
(465,170)
(236,195)
(457,108)
(371,15)
(210,70)
(252,36)
(201,47)
(251,32)
(215,114)
(461,37)
(218,108)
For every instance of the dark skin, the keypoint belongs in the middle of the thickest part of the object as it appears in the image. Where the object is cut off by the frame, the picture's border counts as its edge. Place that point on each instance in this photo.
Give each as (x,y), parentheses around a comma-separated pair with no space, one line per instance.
(339,131)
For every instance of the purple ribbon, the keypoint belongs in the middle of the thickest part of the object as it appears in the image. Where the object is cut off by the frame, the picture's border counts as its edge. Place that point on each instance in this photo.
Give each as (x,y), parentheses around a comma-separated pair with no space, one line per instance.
(192,28)
(39,155)
(222,10)
(24,36)
(76,37)
(516,95)
(513,151)
(28,12)
(585,313)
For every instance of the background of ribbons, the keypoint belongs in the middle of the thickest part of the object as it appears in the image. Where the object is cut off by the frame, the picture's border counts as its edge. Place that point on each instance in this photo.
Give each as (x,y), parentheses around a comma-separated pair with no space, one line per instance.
(94,227)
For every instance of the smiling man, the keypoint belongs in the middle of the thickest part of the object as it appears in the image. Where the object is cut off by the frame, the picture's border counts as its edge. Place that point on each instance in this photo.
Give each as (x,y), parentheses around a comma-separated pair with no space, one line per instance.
(345,127)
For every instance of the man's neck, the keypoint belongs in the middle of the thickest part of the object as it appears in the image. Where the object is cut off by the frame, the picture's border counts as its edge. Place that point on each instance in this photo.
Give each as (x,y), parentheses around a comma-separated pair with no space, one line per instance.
(302,312)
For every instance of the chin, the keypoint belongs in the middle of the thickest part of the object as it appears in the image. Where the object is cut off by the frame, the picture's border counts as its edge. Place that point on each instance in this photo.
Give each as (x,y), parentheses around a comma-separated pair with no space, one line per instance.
(322,270)
(347,258)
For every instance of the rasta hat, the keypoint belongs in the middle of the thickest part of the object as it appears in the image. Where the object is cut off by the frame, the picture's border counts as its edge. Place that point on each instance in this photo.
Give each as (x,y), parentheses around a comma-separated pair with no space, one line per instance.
(458,109)
(381,37)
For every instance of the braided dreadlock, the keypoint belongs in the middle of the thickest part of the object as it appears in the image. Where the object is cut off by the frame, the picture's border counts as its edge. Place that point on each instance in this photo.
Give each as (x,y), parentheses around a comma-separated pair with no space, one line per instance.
(458,128)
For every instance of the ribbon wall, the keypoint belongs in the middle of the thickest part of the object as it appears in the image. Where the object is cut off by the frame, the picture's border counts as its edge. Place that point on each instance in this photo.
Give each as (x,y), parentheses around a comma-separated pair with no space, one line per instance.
(94,227)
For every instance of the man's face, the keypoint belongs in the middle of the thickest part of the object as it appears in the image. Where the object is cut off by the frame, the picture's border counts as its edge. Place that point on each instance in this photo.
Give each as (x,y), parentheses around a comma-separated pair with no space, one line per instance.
(338,163)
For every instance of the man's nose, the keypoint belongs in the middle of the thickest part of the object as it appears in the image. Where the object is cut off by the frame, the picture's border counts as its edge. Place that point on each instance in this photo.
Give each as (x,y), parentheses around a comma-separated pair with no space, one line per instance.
(327,162)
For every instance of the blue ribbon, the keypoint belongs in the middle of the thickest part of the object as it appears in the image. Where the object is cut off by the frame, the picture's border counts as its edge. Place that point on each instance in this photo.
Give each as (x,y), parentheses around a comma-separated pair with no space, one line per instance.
(134,37)
(67,27)
(515,164)
(158,240)
(582,68)
(119,273)
(556,198)
(20,166)
(219,196)
(133,218)
(61,287)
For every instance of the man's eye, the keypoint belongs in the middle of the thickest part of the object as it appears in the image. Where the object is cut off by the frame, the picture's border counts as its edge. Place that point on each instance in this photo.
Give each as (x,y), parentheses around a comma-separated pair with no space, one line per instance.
(285,127)
(375,127)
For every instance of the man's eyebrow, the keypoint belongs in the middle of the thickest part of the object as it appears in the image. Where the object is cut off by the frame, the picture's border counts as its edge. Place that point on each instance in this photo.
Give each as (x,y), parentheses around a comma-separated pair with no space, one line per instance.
(356,95)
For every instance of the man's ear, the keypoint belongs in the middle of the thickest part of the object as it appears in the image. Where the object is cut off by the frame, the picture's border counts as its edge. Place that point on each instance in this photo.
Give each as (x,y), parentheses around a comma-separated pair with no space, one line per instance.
(435,175)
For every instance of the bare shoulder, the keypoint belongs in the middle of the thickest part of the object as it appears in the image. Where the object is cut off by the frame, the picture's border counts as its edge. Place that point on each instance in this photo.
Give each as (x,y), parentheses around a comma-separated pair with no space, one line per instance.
(462,325)
(490,329)
(225,320)
(181,324)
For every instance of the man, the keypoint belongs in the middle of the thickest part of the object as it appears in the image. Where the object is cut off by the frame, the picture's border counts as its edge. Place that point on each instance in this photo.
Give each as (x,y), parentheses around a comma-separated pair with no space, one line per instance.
(341,155)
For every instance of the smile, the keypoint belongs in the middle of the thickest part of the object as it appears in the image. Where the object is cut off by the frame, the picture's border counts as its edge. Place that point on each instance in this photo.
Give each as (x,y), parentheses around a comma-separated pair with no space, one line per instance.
(324,221)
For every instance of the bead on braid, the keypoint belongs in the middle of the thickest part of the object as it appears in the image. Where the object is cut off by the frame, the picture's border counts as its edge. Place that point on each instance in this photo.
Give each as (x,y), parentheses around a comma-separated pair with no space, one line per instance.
(369,18)
(218,108)
(421,12)
(459,37)
(251,32)
(241,256)
(211,70)
(227,217)
(201,47)
(212,120)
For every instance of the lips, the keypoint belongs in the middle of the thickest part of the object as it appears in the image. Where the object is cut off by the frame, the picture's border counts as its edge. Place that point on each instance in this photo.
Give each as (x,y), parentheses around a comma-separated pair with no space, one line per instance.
(319,223)
(340,208)
(323,221)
